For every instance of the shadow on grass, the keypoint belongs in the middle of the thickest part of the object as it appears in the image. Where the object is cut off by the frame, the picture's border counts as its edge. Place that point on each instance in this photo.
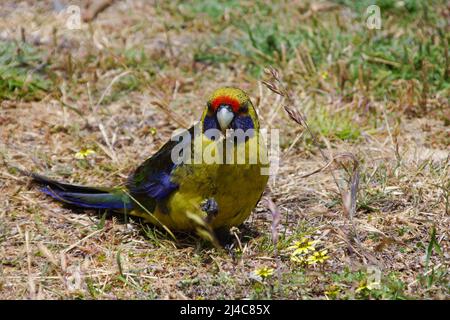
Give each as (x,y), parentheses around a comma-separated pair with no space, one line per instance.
(157,235)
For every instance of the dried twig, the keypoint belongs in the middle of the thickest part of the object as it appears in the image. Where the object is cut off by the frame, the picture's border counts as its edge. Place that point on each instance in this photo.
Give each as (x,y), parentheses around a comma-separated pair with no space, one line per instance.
(276,218)
(276,85)
(94,7)
(81,240)
(108,88)
(171,114)
(31,283)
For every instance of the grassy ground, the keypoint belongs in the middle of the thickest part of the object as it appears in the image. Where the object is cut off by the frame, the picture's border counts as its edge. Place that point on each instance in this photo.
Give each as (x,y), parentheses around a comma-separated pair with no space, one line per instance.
(123,83)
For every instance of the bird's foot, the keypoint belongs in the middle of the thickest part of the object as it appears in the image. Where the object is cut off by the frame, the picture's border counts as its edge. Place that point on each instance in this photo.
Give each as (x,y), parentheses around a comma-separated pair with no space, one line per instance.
(211,208)
(224,237)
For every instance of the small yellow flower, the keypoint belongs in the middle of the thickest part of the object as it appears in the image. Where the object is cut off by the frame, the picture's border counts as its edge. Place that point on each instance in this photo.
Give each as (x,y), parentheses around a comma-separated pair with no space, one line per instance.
(332,291)
(367,286)
(264,272)
(83,154)
(324,75)
(153,131)
(362,287)
(298,259)
(318,257)
(373,285)
(303,246)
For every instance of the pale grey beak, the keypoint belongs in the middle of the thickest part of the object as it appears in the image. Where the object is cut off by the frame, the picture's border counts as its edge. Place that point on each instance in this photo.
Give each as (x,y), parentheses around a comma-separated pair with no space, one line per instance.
(224,116)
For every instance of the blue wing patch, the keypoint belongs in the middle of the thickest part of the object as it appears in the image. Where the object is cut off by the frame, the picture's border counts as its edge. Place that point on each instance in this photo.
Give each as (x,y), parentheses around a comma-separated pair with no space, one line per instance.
(158,187)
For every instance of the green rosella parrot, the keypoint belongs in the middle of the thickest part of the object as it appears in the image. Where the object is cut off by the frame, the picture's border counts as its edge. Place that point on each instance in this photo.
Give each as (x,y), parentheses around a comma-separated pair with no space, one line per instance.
(176,194)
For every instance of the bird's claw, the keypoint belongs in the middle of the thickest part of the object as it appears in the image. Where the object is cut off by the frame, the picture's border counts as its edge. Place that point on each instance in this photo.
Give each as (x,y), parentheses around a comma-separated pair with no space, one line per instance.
(211,207)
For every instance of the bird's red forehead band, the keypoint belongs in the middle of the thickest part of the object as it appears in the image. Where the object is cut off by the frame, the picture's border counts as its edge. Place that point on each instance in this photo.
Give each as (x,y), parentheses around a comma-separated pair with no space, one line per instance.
(232,102)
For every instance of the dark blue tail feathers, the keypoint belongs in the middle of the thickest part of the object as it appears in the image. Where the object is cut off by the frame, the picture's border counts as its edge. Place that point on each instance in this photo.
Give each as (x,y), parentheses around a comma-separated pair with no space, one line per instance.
(83,196)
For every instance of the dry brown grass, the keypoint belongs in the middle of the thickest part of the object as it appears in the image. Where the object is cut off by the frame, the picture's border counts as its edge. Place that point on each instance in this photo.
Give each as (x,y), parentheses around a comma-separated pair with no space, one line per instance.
(51,252)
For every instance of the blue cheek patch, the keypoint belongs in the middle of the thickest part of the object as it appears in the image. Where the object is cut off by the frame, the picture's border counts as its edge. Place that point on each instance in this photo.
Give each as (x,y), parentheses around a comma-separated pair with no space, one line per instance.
(210,122)
(243,122)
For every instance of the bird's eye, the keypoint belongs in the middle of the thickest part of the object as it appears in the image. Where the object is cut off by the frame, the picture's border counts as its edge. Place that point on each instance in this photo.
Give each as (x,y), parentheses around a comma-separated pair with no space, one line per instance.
(244,108)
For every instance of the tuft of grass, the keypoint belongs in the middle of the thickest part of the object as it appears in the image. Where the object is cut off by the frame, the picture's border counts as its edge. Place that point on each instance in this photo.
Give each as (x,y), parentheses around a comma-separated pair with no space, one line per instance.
(362,284)
(213,9)
(337,125)
(23,72)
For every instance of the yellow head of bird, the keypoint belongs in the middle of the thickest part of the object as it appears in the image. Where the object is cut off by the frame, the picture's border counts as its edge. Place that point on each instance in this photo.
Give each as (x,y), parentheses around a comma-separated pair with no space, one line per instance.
(230,108)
